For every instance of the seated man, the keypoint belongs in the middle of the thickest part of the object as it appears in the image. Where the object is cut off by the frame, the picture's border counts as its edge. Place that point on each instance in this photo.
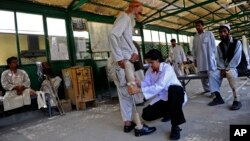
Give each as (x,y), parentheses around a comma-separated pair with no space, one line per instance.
(16,82)
(229,57)
(161,84)
(189,66)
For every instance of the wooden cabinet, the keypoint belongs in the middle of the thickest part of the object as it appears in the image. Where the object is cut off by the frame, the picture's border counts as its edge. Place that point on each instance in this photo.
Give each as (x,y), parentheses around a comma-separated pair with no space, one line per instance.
(79,85)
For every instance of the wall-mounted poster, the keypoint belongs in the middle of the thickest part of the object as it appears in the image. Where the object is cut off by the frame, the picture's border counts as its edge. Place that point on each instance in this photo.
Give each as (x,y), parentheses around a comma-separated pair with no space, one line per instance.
(99,36)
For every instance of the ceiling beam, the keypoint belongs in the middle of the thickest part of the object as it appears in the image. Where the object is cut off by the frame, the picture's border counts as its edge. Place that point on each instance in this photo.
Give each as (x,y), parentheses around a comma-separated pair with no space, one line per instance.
(199,18)
(234,25)
(77,5)
(105,5)
(71,4)
(182,10)
(240,14)
(211,12)
(237,15)
(150,7)
(160,10)
(177,7)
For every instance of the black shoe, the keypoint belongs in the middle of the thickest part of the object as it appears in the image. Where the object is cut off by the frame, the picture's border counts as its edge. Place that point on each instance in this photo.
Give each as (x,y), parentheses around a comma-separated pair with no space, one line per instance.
(129,128)
(165,119)
(236,105)
(144,131)
(175,133)
(216,101)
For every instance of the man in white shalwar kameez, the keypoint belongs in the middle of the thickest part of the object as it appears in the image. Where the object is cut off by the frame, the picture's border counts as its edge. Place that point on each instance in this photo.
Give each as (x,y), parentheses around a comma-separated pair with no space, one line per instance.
(123,50)
(177,57)
(204,50)
(16,82)
(229,57)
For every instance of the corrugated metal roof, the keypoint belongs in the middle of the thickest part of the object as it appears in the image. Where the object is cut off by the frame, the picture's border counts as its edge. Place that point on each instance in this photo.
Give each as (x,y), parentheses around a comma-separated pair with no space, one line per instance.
(175,14)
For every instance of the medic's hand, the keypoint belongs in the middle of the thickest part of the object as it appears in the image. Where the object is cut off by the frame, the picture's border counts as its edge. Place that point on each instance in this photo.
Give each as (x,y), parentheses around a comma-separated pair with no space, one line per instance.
(133,90)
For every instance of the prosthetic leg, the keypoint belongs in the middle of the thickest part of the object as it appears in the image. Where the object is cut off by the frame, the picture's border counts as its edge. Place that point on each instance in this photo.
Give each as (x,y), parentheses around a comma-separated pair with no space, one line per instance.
(232,82)
(232,78)
(130,76)
(140,129)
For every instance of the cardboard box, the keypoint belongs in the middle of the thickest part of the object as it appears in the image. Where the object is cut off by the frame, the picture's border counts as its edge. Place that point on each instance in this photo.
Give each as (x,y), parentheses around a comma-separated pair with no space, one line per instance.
(66,104)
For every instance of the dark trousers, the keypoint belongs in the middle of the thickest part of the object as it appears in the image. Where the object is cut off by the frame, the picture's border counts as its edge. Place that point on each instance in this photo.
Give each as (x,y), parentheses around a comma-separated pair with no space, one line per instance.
(171,108)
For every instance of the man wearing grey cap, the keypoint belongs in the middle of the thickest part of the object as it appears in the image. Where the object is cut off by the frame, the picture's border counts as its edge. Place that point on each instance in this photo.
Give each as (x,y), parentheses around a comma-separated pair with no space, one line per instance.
(229,57)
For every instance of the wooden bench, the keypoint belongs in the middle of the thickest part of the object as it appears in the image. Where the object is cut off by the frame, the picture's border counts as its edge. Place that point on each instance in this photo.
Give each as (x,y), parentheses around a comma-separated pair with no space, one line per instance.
(185,79)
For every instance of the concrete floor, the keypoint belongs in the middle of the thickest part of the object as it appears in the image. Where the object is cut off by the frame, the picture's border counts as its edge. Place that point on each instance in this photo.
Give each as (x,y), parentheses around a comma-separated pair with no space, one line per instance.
(103,123)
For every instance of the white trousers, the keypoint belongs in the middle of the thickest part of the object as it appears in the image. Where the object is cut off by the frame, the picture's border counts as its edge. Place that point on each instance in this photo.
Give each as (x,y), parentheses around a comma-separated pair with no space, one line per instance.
(12,101)
(126,103)
(125,99)
(178,69)
(215,80)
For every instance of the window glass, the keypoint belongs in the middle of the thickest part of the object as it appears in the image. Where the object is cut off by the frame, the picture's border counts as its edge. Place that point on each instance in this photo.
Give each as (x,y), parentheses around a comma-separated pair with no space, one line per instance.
(185,39)
(162,37)
(169,37)
(31,38)
(147,35)
(7,24)
(155,36)
(57,39)
(81,38)
(180,38)
(174,36)
(25,26)
(8,46)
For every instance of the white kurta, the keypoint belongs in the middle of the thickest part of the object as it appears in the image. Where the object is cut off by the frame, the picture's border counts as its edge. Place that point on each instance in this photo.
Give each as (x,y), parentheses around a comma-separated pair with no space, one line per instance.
(177,57)
(122,47)
(156,84)
(204,50)
(120,38)
(9,80)
(177,54)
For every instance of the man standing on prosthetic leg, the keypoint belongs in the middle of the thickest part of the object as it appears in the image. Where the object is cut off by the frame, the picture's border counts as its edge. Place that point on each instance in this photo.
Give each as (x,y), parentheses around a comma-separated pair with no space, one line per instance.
(123,54)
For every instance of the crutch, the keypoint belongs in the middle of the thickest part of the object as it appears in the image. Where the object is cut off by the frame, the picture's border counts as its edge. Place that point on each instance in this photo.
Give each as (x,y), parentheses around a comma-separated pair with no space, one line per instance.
(59,104)
(130,76)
